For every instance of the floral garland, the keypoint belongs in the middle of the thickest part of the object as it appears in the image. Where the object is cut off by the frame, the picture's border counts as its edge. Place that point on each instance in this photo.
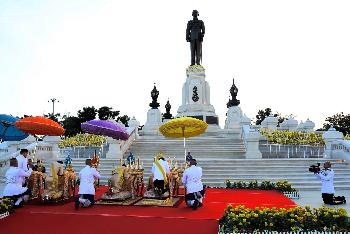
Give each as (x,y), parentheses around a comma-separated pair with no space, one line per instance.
(195,68)
(282,186)
(82,140)
(6,205)
(292,137)
(245,220)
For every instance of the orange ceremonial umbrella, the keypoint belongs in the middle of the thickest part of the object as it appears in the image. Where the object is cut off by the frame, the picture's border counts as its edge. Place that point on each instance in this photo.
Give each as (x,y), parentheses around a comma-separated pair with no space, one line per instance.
(40,126)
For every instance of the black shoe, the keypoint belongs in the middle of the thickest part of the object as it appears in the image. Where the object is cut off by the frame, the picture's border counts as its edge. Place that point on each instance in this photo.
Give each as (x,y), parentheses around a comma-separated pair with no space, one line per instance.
(20,205)
(76,204)
(195,204)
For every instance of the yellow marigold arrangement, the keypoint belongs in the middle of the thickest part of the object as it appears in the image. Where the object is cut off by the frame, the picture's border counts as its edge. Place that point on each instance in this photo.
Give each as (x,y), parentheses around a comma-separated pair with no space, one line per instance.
(246,220)
(347,137)
(292,137)
(82,140)
(282,185)
(6,205)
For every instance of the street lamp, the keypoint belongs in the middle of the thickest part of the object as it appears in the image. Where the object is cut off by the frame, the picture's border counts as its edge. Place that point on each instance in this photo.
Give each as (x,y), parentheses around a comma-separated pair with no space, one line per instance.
(53,100)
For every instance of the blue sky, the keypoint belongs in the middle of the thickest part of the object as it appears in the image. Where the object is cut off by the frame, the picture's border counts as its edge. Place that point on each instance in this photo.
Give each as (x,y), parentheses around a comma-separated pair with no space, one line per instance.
(292,56)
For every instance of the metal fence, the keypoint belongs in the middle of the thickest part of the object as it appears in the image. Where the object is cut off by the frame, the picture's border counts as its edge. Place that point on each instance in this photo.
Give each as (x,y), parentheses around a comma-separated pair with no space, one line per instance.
(291,151)
(84,151)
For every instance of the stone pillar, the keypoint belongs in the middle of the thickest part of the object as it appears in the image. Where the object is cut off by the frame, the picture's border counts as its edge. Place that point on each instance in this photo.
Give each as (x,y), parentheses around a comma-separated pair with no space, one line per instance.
(270,122)
(196,99)
(309,126)
(252,144)
(134,123)
(330,137)
(291,124)
(53,142)
(233,119)
(154,120)
(114,151)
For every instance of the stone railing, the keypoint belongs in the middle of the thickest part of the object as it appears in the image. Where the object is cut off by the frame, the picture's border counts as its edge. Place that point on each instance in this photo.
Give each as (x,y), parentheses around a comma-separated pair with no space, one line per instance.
(83,151)
(125,145)
(340,149)
(291,151)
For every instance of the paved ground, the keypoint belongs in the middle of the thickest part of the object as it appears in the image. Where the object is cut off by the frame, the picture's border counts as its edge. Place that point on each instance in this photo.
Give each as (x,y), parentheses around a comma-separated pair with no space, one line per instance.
(314,199)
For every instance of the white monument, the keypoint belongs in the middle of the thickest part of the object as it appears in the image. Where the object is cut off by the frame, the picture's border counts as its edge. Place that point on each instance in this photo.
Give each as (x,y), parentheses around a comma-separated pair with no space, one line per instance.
(196,98)
(154,117)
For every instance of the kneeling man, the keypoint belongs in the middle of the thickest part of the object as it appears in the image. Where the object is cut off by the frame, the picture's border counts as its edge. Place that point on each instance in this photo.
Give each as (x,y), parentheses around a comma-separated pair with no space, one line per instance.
(14,178)
(192,180)
(160,172)
(86,195)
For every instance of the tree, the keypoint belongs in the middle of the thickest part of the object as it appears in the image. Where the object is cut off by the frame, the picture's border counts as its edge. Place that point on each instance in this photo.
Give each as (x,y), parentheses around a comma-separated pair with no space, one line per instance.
(106,112)
(53,117)
(88,113)
(71,125)
(124,119)
(339,121)
(262,114)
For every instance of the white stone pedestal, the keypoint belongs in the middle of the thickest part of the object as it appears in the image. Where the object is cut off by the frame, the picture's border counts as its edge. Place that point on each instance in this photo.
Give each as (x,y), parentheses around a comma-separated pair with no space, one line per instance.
(252,144)
(114,151)
(330,137)
(198,106)
(154,120)
(233,119)
(53,141)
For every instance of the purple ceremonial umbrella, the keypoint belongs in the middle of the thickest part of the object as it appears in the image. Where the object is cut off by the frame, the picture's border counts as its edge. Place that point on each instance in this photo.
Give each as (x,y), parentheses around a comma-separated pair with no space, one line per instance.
(105,128)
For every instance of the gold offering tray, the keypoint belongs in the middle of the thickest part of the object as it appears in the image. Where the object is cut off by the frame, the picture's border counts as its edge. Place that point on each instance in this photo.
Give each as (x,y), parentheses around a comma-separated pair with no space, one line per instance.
(169,202)
(127,202)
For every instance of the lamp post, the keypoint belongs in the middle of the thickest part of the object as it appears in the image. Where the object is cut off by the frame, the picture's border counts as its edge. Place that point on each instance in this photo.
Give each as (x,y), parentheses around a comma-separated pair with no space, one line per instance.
(53,100)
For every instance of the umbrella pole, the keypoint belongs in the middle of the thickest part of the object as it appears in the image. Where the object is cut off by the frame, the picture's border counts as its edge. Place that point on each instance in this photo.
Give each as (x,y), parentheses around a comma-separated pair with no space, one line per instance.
(185,147)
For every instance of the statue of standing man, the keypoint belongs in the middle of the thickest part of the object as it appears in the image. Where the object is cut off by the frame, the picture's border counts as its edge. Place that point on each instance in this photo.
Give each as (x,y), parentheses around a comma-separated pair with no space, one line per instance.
(194,34)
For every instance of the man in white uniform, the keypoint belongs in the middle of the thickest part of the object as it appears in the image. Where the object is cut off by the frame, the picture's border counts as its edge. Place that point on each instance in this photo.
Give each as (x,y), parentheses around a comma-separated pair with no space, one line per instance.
(86,187)
(192,180)
(160,172)
(326,176)
(23,162)
(14,188)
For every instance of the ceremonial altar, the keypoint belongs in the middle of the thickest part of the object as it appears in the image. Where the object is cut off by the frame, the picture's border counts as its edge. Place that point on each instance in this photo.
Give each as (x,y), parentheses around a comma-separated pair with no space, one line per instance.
(58,188)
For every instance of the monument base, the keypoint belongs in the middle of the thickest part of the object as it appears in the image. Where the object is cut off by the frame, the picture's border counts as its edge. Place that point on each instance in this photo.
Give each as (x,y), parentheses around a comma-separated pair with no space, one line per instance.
(196,99)
(154,120)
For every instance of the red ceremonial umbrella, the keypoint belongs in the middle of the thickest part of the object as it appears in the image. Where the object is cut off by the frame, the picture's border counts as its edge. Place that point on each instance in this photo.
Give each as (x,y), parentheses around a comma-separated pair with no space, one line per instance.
(40,126)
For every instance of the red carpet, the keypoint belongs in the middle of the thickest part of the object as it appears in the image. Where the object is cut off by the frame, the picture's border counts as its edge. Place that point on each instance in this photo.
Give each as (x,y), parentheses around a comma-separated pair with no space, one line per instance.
(131,219)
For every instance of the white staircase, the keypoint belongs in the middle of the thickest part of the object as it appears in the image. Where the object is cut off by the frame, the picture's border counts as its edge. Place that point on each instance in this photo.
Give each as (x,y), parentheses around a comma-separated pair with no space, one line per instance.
(223,158)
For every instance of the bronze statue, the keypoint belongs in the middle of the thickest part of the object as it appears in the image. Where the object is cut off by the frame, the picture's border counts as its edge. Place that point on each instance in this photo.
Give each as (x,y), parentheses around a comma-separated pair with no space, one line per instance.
(194,34)
(233,91)
(154,94)
(167,114)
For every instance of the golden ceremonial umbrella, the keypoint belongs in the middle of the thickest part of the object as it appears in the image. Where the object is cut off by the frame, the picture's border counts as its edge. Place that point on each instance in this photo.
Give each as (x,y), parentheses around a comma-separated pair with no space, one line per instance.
(183,127)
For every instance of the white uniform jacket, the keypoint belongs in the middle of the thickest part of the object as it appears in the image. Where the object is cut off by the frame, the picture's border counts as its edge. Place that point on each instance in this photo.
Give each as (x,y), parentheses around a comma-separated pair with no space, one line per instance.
(87,177)
(157,175)
(13,178)
(192,179)
(326,177)
(22,164)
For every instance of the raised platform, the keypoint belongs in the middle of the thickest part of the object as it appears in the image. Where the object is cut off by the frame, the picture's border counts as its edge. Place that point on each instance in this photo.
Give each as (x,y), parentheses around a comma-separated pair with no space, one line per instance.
(138,219)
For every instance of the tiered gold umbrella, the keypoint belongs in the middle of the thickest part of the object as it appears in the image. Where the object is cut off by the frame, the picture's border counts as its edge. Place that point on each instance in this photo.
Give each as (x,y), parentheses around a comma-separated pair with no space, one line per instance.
(183,127)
